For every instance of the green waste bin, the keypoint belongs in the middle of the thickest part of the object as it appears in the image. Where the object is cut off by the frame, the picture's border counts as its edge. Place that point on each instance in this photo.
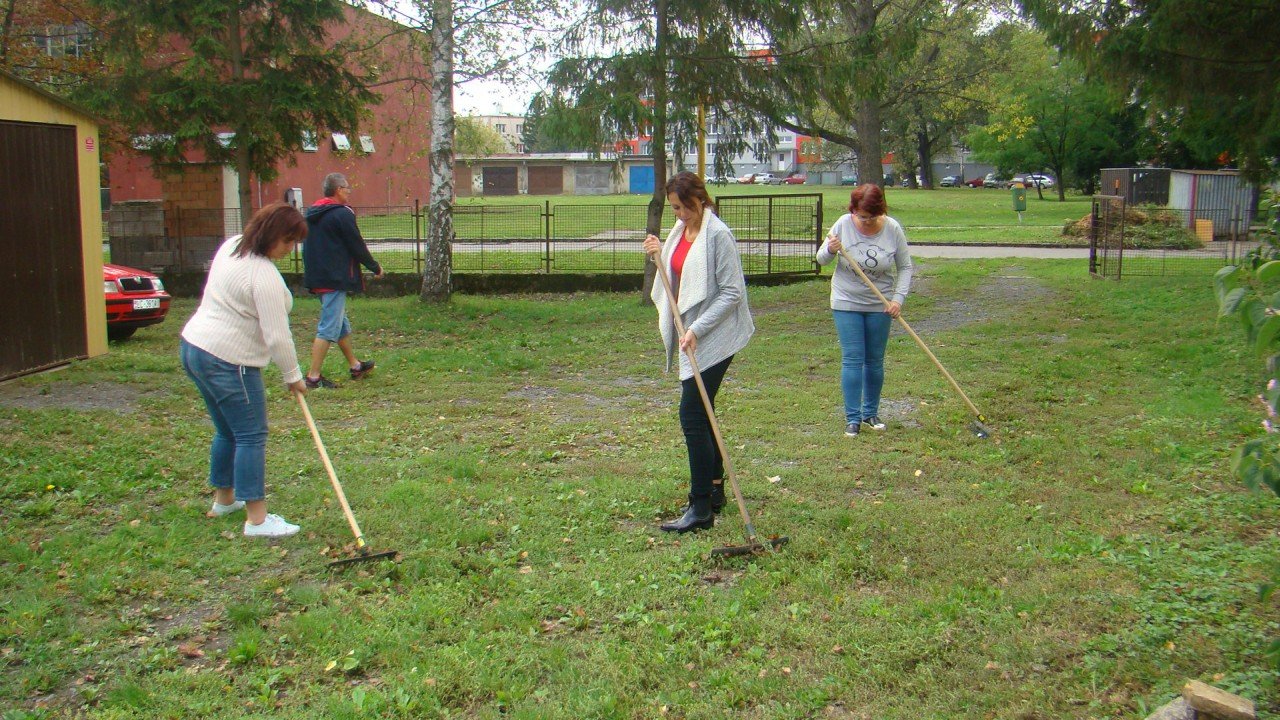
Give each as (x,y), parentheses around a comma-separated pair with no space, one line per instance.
(1019,197)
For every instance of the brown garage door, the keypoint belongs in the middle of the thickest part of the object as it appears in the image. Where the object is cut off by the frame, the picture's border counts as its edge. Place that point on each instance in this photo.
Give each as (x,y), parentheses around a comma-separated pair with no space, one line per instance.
(41,259)
(499,181)
(462,180)
(547,180)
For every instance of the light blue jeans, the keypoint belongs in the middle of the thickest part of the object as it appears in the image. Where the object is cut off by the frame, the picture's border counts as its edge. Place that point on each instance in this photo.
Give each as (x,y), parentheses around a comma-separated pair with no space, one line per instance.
(237,404)
(863,339)
(334,324)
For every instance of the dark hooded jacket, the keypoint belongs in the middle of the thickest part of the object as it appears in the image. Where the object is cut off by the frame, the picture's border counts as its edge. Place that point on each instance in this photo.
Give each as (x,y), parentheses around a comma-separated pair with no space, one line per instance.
(334,250)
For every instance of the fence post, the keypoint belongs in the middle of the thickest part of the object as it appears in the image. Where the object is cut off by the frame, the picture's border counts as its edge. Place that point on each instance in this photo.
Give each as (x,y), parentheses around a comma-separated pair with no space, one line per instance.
(1093,237)
(546,235)
(177,229)
(417,235)
(768,265)
(817,235)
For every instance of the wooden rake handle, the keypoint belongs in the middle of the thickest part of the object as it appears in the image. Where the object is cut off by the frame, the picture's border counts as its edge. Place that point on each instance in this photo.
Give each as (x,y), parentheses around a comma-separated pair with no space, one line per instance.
(858,269)
(706,403)
(328,466)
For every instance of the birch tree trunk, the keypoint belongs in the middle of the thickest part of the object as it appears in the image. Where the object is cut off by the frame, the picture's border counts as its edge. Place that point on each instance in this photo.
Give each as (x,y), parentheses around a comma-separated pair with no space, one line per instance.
(437,272)
(244,167)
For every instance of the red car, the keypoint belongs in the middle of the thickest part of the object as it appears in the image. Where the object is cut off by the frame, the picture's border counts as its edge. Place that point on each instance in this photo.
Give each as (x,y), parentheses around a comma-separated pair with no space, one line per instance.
(793,180)
(135,298)
(975,182)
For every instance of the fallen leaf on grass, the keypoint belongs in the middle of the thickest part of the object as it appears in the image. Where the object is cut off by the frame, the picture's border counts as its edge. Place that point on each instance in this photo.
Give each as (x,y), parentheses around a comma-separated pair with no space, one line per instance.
(775,478)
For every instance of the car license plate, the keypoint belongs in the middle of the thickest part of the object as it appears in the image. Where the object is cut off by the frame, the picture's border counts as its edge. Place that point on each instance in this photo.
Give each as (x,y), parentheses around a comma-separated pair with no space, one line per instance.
(146,304)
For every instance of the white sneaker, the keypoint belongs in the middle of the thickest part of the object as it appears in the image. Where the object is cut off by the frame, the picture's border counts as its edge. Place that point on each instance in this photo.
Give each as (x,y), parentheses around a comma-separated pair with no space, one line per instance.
(218,509)
(272,526)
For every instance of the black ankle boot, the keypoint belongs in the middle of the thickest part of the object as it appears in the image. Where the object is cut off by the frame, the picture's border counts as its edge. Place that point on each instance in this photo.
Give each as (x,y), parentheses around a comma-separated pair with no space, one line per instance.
(696,516)
(717,497)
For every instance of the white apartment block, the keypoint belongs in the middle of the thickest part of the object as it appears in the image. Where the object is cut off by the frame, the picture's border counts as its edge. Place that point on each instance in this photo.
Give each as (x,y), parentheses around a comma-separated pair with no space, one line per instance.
(510,127)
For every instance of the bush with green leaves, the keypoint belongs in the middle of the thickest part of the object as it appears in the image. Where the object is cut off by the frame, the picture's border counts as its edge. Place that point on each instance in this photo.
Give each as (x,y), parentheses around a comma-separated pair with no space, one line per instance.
(1251,292)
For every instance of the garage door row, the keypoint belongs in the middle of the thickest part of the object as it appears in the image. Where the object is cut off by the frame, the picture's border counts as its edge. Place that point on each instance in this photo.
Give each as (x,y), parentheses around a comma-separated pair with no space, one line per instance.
(583,179)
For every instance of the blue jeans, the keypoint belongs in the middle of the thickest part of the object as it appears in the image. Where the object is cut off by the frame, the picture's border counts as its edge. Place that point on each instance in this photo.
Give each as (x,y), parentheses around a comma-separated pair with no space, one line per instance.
(334,324)
(863,339)
(237,404)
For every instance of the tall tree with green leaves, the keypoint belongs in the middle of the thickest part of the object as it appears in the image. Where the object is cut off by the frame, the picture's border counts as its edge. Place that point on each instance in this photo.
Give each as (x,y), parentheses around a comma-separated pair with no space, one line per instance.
(1047,115)
(641,68)
(1208,63)
(468,40)
(185,70)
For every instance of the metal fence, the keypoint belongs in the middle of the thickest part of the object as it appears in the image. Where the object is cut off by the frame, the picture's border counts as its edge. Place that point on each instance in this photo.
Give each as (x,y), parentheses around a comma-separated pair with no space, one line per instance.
(776,234)
(1144,240)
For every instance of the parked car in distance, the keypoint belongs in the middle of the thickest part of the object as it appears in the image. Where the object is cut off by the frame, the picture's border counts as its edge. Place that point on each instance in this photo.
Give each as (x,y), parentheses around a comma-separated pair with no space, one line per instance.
(974,182)
(848,179)
(1043,181)
(794,180)
(747,179)
(992,180)
(767,179)
(135,299)
(949,181)
(720,180)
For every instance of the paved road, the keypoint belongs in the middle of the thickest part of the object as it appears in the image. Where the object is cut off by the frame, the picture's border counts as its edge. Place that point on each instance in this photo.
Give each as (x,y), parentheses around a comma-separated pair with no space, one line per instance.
(991,251)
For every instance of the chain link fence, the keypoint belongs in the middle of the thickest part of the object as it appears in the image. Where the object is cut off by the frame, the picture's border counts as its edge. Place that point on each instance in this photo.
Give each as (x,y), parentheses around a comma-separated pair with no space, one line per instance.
(1144,240)
(776,234)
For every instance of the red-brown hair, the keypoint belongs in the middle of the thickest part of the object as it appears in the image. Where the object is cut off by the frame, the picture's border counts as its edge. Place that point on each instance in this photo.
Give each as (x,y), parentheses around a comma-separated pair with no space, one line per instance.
(868,198)
(687,186)
(277,222)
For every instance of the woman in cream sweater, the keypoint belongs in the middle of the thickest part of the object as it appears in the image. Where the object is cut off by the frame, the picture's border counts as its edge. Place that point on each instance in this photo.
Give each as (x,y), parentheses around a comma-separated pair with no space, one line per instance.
(242,324)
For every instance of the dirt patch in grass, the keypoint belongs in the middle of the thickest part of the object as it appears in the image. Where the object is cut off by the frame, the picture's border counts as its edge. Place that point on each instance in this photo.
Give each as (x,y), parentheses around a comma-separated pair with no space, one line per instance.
(1010,289)
(118,397)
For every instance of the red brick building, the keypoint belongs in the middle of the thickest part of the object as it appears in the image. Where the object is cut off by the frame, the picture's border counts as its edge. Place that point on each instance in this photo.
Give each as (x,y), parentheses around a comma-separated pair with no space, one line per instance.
(386,162)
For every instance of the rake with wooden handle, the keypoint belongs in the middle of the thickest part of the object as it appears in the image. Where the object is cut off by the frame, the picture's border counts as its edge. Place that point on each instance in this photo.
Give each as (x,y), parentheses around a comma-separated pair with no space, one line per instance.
(753,544)
(361,547)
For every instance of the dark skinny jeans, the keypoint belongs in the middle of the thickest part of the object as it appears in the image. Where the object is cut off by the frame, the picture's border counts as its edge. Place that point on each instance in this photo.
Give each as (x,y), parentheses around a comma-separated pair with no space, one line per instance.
(705,461)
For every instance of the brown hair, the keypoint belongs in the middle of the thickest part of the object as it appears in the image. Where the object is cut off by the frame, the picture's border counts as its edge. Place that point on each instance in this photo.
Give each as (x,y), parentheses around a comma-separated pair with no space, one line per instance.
(687,186)
(868,198)
(277,222)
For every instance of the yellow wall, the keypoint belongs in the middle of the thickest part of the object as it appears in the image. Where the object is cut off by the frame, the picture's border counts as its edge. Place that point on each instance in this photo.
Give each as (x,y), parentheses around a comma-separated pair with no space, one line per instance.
(20,103)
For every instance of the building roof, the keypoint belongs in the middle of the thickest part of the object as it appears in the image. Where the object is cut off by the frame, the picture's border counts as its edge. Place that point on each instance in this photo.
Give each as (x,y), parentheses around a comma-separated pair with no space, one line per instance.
(27,84)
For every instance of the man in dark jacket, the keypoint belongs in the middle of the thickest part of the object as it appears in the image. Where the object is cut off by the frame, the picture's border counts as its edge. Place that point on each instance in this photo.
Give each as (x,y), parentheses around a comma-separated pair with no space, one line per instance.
(331,259)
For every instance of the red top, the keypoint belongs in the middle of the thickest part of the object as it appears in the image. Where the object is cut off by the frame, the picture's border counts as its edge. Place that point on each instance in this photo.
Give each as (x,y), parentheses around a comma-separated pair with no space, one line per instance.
(679,254)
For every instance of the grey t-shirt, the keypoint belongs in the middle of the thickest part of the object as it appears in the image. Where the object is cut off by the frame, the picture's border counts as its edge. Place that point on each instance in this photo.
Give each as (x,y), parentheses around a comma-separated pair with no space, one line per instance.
(884,257)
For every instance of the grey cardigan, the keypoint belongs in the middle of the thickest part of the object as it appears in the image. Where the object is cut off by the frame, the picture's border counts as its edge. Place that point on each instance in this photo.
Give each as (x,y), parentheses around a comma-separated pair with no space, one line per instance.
(711,296)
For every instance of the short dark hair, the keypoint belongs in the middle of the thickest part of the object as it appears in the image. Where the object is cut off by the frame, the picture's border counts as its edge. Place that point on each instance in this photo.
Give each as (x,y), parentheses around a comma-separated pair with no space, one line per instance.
(277,222)
(868,198)
(687,186)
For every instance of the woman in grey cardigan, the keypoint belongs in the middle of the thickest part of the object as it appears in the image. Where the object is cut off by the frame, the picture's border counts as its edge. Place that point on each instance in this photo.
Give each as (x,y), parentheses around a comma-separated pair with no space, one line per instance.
(877,243)
(700,256)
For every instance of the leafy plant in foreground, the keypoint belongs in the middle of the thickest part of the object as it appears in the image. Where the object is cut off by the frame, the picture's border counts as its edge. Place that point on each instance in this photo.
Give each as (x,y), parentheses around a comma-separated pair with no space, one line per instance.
(1251,292)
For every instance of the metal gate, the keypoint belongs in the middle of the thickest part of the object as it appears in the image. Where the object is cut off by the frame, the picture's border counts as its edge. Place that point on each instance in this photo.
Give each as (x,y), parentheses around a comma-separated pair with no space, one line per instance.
(42,310)
(1106,236)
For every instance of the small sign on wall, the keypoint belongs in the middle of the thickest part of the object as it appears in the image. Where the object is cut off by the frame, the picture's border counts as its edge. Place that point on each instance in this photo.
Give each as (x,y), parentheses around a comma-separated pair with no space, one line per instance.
(89,144)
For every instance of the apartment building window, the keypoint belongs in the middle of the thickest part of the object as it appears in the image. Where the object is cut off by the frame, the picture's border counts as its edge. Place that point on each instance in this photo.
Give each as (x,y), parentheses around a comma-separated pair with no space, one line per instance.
(310,142)
(519,129)
(340,142)
(500,127)
(366,144)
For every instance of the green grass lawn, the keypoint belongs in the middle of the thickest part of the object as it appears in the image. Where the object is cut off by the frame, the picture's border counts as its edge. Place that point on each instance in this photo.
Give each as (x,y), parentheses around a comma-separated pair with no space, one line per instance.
(519,450)
(944,215)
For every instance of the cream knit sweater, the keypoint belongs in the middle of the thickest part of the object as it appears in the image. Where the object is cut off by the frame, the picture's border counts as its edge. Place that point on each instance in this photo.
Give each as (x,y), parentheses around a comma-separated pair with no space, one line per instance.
(243,317)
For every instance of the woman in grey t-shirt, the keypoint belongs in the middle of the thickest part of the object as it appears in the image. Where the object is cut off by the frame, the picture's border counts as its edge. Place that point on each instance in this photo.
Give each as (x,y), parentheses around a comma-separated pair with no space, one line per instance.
(877,243)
